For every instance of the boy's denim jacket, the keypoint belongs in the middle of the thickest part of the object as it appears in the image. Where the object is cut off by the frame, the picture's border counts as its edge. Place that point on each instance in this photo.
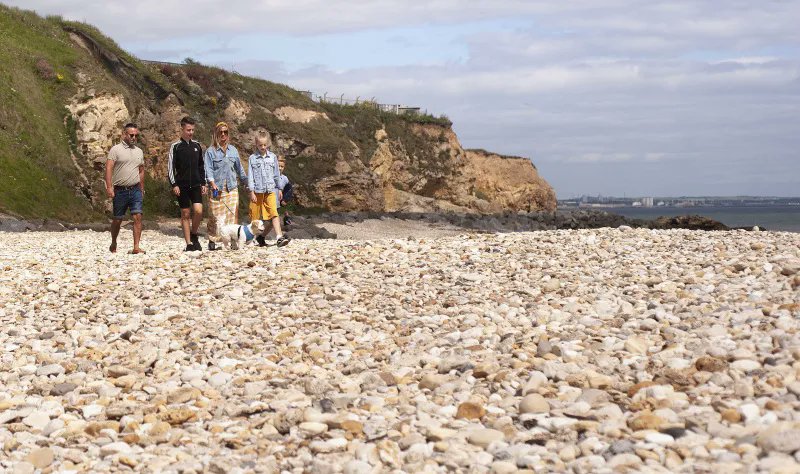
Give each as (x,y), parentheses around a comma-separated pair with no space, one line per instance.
(222,166)
(263,173)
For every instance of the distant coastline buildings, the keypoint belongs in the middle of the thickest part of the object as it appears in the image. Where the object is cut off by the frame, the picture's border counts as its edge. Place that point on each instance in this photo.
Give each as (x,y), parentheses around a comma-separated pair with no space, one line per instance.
(683,201)
(644,202)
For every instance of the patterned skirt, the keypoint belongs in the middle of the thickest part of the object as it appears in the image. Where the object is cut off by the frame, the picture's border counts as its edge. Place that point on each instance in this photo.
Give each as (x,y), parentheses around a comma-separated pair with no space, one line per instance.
(223,210)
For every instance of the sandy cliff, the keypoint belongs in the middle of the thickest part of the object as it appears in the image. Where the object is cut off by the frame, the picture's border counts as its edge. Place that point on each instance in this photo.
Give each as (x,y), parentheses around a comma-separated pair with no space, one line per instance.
(508,183)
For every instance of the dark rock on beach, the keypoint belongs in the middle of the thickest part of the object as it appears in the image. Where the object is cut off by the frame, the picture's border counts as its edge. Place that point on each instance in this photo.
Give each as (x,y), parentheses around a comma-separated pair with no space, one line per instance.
(692,222)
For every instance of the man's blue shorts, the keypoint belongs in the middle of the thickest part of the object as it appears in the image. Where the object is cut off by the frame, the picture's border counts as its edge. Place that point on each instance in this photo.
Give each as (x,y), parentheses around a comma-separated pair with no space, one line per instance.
(127,197)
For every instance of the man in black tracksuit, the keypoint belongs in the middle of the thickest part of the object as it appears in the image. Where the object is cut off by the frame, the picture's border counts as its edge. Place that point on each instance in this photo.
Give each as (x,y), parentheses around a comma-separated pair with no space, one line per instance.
(187,176)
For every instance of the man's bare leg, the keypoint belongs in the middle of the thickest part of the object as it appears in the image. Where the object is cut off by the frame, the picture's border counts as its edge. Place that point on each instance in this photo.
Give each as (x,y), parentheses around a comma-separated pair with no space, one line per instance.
(186,222)
(115,225)
(197,217)
(137,232)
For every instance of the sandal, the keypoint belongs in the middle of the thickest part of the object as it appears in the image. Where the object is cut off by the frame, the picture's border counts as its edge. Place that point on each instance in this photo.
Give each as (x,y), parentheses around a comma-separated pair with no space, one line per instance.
(137,251)
(112,248)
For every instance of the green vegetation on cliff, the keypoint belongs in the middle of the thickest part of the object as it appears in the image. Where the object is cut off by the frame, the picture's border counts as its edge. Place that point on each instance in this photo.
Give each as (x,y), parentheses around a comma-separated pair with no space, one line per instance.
(36,76)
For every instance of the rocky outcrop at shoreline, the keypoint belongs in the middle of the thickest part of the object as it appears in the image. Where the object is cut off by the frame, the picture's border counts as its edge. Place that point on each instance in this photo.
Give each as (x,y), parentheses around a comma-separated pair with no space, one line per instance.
(600,350)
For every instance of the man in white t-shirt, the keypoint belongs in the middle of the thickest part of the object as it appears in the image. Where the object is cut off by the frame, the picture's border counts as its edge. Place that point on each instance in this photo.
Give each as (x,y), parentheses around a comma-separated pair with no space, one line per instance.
(125,185)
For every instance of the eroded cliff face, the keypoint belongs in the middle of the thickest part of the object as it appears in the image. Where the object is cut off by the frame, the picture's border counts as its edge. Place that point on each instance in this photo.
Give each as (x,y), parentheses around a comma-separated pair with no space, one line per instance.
(508,183)
(445,177)
(456,179)
(97,119)
(398,166)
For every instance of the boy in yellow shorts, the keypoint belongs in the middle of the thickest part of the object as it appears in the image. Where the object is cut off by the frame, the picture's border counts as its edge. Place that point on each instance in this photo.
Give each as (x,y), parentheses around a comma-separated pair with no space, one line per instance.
(263,176)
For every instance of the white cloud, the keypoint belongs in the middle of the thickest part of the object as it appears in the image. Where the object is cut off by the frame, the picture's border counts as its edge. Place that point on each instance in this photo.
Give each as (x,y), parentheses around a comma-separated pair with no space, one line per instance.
(738,19)
(748,60)
(600,157)
(297,17)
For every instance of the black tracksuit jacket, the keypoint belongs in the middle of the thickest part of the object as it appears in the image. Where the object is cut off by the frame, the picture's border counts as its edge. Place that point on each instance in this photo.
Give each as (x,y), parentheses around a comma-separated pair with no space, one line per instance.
(185,165)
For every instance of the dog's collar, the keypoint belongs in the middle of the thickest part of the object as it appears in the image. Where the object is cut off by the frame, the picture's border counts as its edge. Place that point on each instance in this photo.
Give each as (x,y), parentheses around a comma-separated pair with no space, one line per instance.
(247,234)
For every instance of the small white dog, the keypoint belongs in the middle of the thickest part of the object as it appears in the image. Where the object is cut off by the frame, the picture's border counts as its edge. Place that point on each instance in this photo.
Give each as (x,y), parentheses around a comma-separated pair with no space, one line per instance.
(236,236)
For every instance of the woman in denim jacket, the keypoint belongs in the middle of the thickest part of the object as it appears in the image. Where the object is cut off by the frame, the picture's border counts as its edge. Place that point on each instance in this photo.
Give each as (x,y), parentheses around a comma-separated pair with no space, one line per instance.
(263,176)
(223,166)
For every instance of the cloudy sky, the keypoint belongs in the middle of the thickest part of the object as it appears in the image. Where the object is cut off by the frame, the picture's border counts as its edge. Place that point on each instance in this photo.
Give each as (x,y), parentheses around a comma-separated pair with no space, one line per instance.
(612,97)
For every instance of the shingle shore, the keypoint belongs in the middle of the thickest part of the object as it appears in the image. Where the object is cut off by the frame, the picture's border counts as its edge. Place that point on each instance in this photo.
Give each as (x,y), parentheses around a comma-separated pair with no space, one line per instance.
(587,351)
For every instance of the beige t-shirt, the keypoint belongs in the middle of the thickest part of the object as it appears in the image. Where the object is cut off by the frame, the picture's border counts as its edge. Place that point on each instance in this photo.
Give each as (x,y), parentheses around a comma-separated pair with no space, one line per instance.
(127,160)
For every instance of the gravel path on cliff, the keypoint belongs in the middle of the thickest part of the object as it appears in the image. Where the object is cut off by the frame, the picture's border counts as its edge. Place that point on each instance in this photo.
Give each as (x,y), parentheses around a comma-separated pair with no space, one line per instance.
(605,350)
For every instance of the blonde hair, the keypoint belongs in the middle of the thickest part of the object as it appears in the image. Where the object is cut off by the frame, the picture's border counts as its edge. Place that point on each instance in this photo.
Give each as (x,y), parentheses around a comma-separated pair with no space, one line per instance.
(262,136)
(215,135)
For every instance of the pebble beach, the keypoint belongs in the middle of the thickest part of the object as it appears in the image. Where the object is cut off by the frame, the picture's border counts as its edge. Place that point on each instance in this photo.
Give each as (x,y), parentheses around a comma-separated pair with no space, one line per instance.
(605,350)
